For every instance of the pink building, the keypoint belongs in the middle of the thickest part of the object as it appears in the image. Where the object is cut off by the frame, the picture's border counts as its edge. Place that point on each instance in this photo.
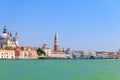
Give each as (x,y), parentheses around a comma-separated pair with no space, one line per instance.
(26,53)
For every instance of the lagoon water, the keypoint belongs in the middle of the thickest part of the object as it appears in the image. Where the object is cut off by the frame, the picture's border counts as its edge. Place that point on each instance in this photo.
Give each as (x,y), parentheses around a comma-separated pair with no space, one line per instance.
(59,69)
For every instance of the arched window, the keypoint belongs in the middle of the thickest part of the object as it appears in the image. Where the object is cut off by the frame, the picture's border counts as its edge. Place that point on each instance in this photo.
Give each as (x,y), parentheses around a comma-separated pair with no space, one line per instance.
(25,54)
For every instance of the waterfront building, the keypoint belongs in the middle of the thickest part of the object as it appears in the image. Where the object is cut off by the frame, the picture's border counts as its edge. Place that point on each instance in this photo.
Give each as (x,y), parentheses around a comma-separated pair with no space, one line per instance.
(18,53)
(46,49)
(112,55)
(77,54)
(7,54)
(26,53)
(99,55)
(68,53)
(59,54)
(88,54)
(107,55)
(118,55)
(7,39)
(102,55)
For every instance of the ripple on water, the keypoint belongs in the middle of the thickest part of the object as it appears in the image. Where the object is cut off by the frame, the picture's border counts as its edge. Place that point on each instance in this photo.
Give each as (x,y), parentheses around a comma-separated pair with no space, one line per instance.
(59,70)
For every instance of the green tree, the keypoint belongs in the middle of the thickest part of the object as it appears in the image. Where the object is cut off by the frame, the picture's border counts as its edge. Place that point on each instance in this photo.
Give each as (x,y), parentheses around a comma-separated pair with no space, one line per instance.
(40,52)
(9,48)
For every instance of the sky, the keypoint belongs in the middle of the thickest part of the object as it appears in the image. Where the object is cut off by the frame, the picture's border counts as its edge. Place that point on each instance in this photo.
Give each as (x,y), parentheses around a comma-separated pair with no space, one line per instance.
(81,24)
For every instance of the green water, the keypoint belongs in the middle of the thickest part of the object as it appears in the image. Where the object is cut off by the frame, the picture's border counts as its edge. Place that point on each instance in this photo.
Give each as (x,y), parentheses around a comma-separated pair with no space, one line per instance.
(59,70)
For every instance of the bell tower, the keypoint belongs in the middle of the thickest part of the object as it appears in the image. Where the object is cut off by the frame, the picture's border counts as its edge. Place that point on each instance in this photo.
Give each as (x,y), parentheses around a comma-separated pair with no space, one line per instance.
(56,43)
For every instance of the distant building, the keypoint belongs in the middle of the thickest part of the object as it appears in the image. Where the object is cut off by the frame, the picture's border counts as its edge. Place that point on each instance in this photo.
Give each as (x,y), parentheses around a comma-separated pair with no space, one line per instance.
(46,49)
(102,55)
(118,55)
(88,54)
(6,39)
(7,54)
(59,54)
(77,54)
(112,55)
(106,55)
(26,53)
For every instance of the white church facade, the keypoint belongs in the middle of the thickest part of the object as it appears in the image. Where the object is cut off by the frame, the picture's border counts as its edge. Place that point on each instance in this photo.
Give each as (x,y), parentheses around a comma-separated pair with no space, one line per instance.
(7,39)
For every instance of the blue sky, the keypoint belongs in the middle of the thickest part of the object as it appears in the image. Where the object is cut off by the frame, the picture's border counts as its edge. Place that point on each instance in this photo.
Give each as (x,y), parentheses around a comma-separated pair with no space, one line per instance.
(81,24)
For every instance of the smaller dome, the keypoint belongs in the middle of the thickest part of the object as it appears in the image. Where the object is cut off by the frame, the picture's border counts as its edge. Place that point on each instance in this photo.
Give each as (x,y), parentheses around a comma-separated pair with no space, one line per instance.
(45,46)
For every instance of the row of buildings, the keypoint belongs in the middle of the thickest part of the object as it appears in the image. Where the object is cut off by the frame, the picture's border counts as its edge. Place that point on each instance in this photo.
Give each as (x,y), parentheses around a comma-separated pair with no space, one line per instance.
(19,53)
(95,55)
(8,40)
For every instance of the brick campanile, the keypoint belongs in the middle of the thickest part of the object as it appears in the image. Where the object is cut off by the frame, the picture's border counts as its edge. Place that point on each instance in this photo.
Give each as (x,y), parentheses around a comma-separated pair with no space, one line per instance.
(56,43)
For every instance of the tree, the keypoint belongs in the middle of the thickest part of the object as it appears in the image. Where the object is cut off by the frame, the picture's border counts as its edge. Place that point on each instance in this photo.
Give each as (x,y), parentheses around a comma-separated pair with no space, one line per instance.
(40,52)
(9,48)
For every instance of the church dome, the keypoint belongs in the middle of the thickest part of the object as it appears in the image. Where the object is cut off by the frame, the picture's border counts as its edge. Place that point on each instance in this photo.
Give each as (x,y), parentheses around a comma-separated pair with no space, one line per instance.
(3,36)
(45,46)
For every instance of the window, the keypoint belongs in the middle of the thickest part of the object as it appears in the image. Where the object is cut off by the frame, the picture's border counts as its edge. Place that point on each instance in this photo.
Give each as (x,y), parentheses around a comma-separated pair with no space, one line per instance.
(1,46)
(25,55)
(12,57)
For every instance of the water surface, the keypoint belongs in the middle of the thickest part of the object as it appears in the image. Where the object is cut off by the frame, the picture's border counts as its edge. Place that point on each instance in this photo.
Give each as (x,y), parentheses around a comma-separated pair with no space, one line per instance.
(59,70)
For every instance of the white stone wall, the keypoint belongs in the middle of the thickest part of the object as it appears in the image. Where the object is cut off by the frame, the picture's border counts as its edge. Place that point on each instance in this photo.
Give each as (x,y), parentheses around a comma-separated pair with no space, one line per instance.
(57,55)
(5,55)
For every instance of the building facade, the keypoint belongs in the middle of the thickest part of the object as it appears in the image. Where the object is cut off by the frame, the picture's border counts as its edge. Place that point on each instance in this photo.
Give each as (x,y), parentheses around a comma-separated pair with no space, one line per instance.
(26,53)
(7,54)
(46,49)
(58,55)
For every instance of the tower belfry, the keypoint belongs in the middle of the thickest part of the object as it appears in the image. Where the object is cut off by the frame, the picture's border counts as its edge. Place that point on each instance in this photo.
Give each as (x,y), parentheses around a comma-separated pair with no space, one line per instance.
(56,43)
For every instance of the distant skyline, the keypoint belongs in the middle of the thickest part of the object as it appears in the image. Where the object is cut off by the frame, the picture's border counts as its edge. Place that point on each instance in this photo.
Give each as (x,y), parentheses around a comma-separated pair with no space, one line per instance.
(81,24)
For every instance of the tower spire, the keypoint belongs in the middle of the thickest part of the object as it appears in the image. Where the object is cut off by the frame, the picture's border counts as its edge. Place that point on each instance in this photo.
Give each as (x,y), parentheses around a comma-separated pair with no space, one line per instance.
(56,43)
(16,36)
(16,39)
